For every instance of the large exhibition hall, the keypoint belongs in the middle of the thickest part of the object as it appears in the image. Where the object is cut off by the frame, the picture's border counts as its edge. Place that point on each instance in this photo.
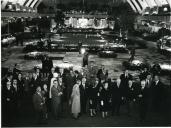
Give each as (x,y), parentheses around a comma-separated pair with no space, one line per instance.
(85,63)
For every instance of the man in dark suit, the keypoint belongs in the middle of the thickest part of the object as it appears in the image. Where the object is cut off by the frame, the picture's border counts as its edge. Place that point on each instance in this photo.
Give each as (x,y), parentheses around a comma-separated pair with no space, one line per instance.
(116,97)
(148,80)
(83,95)
(132,53)
(125,77)
(35,81)
(56,99)
(157,89)
(92,72)
(130,96)
(85,59)
(50,76)
(15,71)
(38,72)
(156,69)
(45,66)
(101,74)
(79,46)
(143,99)
(143,74)
(49,64)
(49,44)
(39,106)
(78,76)
(69,83)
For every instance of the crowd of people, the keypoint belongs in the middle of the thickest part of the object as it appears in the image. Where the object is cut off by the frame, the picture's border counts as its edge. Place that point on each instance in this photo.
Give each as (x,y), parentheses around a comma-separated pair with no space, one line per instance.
(89,90)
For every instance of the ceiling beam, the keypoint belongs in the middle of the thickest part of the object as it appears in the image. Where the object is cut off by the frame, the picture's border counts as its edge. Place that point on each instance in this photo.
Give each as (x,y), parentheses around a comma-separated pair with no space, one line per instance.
(3,4)
(28,3)
(132,6)
(137,6)
(32,5)
(37,4)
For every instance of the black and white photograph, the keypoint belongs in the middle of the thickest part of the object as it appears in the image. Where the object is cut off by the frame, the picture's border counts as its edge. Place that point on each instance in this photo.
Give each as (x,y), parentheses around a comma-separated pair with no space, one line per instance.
(85,63)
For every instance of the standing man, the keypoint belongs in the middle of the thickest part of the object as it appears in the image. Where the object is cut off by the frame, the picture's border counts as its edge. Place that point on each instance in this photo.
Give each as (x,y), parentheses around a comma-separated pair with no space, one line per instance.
(35,81)
(143,74)
(125,77)
(105,98)
(44,66)
(130,97)
(148,81)
(50,76)
(157,89)
(79,46)
(102,74)
(49,64)
(116,97)
(39,106)
(85,59)
(56,99)
(78,76)
(143,98)
(156,69)
(49,44)
(92,72)
(124,86)
(132,53)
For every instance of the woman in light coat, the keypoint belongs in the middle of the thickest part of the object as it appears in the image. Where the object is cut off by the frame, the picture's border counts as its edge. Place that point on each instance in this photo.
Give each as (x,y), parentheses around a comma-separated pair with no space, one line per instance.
(75,100)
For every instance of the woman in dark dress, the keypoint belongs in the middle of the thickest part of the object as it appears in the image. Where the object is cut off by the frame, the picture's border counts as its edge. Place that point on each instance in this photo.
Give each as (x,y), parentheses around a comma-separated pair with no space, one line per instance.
(21,93)
(7,103)
(93,93)
(105,99)
(83,95)
(15,97)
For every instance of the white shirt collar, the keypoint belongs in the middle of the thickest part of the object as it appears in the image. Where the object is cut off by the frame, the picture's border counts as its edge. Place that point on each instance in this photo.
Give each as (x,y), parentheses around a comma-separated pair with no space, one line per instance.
(156,82)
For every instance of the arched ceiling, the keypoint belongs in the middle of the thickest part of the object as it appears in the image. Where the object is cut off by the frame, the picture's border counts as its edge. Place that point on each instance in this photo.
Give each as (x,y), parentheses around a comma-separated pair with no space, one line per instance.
(137,5)
(23,3)
(140,5)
